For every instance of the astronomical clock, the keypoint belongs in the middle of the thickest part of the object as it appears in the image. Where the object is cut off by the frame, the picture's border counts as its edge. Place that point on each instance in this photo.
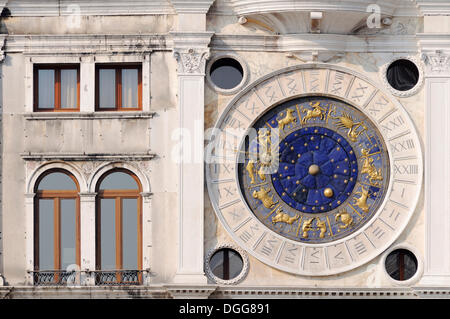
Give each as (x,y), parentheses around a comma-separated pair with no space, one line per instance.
(314,170)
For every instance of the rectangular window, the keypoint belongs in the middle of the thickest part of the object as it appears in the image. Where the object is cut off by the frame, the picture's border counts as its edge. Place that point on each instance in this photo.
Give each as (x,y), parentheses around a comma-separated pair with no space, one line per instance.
(118,87)
(56,87)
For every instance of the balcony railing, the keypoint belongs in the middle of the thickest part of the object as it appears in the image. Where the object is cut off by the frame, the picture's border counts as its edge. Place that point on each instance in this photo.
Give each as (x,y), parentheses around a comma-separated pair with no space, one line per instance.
(98,277)
(118,277)
(55,277)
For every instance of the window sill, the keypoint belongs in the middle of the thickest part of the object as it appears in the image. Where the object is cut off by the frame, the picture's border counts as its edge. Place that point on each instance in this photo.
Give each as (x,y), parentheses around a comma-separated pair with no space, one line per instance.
(88,115)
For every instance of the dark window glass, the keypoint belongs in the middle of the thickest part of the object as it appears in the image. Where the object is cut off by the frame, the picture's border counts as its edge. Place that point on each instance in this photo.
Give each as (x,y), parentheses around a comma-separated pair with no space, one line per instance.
(401,264)
(403,75)
(226,73)
(226,264)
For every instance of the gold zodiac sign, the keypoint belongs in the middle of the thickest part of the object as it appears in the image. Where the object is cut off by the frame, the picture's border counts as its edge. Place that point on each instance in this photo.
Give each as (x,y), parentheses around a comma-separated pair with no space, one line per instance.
(370,169)
(316,112)
(264,197)
(264,153)
(288,119)
(361,202)
(251,170)
(281,217)
(345,218)
(307,226)
(322,227)
(345,121)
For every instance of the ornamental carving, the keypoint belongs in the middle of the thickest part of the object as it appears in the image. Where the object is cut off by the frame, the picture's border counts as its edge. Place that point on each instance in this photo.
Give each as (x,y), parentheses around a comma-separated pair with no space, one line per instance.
(191,61)
(438,62)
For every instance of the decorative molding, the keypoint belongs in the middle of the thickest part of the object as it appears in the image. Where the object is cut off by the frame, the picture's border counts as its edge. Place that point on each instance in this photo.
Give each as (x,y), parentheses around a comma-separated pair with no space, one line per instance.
(238,278)
(192,6)
(437,62)
(315,56)
(246,7)
(433,7)
(316,42)
(87,115)
(141,44)
(190,291)
(88,7)
(87,156)
(415,89)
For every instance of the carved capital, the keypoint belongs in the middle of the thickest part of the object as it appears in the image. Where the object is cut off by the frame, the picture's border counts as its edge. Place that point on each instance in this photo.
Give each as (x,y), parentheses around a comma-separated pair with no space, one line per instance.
(437,62)
(191,61)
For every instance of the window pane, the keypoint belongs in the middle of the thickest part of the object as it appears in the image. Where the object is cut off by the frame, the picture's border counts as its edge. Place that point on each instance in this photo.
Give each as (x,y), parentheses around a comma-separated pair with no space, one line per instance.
(118,180)
(107,89)
(68,233)
(46,235)
(129,233)
(130,88)
(57,181)
(108,234)
(69,90)
(46,86)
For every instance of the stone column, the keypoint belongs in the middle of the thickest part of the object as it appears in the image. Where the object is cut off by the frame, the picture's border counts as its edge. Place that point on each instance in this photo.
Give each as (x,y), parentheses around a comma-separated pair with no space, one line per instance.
(87,84)
(29,237)
(191,51)
(437,168)
(87,245)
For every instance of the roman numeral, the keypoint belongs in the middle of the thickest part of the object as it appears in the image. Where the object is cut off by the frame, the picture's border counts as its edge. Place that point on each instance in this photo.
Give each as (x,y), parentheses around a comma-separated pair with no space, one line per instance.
(270,94)
(314,81)
(403,146)
(292,86)
(338,81)
(268,247)
(378,232)
(360,91)
(406,169)
(290,258)
(393,124)
(360,248)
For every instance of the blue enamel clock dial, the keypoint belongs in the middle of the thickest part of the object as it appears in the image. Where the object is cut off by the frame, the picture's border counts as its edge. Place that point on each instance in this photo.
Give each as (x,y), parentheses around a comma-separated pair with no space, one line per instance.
(316,170)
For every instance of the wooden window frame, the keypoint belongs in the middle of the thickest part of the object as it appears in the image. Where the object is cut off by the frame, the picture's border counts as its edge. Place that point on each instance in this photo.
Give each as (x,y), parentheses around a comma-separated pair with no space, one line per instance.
(57,68)
(119,195)
(118,69)
(57,196)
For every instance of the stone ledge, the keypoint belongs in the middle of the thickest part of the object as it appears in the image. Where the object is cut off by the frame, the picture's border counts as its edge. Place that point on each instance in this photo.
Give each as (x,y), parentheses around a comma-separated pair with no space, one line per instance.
(87,156)
(87,115)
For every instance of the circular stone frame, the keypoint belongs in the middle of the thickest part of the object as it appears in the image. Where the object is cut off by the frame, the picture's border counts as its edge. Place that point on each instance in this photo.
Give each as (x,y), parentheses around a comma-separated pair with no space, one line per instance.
(361,246)
(218,89)
(412,91)
(420,267)
(238,278)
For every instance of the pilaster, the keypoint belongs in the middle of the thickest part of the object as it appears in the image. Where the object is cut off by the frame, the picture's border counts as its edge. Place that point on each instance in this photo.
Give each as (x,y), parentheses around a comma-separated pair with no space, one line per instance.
(437,162)
(191,51)
(87,227)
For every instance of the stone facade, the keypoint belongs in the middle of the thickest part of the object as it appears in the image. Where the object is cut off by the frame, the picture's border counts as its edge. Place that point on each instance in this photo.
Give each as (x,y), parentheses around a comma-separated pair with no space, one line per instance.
(175,42)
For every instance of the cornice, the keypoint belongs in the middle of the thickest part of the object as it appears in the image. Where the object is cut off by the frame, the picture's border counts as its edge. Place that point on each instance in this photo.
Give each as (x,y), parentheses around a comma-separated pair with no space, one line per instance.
(316,42)
(88,7)
(191,6)
(85,44)
(247,7)
(434,7)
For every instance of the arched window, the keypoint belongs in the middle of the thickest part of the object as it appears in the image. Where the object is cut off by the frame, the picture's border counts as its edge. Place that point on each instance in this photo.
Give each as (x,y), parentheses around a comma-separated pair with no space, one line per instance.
(119,229)
(56,226)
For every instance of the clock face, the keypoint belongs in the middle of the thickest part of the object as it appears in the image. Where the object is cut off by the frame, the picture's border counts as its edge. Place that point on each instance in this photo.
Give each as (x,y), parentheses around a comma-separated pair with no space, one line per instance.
(314,169)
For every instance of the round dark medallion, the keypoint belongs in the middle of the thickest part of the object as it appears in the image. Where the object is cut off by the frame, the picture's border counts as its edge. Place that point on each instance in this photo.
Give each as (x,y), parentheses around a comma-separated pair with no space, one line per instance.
(226,73)
(401,264)
(403,75)
(226,264)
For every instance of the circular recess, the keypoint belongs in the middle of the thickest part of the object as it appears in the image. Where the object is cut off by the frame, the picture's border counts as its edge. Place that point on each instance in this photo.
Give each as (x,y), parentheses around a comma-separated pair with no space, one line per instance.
(403,75)
(226,74)
(226,264)
(401,264)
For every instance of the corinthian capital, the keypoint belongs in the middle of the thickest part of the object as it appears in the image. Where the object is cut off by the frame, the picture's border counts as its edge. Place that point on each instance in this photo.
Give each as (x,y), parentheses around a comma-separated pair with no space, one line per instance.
(437,62)
(191,61)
